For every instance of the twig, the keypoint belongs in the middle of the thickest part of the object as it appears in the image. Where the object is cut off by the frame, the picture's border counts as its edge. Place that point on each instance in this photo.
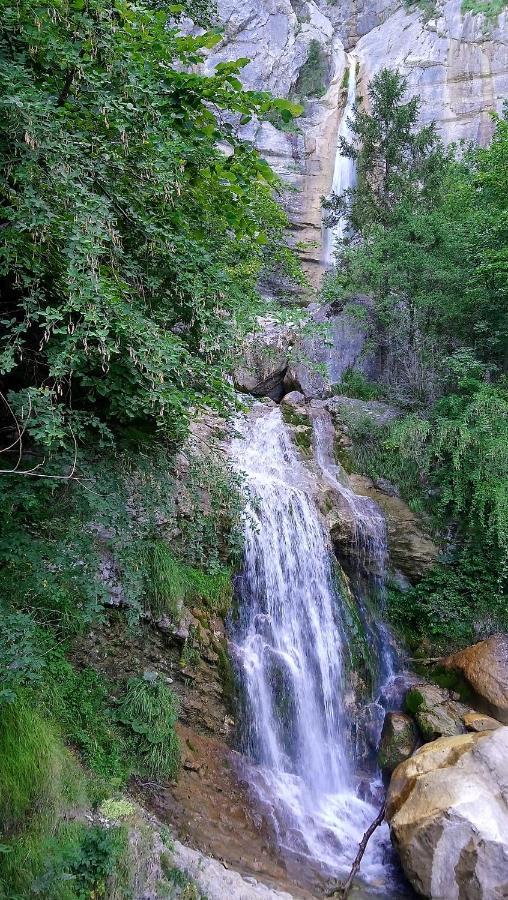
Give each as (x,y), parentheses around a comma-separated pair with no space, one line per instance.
(341,891)
(424,662)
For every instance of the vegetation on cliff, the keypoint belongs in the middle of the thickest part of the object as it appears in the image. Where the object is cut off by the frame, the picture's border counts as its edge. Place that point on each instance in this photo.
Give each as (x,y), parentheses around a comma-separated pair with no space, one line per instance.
(428,242)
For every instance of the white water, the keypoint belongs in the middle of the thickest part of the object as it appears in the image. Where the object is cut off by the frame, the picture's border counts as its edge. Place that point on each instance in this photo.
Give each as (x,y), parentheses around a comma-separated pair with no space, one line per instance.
(344,173)
(290,648)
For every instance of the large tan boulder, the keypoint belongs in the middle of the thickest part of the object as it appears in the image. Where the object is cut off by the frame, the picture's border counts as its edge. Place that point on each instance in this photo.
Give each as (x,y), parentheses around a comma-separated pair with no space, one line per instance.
(447,808)
(485,666)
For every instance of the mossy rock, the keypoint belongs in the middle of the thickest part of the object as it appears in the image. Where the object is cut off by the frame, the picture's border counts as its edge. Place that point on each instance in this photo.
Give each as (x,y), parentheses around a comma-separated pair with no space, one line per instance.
(399,740)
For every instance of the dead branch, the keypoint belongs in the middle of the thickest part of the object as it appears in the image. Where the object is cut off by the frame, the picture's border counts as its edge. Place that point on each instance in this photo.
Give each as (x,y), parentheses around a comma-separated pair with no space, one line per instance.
(341,891)
(33,472)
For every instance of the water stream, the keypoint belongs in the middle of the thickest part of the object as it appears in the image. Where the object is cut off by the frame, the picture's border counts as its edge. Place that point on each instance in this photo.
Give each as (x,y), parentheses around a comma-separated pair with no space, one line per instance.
(290,646)
(344,173)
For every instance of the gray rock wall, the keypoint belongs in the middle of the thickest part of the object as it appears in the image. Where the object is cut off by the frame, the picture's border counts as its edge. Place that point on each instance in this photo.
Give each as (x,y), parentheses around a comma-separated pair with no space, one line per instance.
(457,62)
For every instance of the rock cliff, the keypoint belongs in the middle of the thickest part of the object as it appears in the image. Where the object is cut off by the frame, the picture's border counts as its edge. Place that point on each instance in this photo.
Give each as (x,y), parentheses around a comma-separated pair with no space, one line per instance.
(456,61)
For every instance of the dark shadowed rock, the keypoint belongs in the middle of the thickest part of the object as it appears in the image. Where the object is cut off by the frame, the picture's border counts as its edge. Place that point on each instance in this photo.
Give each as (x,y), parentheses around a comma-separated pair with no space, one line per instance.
(399,739)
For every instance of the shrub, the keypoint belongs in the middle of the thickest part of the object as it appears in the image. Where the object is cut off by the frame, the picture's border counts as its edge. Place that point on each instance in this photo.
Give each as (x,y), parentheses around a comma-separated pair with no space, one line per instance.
(454,604)
(313,75)
(172,583)
(355,384)
(149,712)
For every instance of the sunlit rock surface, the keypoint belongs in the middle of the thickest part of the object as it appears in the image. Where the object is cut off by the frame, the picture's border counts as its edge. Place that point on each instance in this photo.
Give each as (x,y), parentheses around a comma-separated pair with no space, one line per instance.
(448,813)
(485,667)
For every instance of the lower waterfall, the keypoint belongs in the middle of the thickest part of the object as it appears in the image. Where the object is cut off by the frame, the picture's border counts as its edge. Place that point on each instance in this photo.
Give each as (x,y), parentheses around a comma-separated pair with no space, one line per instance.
(290,649)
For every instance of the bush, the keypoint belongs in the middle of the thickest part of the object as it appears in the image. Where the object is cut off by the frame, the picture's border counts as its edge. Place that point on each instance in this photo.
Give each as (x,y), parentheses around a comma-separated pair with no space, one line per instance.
(454,605)
(313,76)
(149,712)
(172,583)
(355,384)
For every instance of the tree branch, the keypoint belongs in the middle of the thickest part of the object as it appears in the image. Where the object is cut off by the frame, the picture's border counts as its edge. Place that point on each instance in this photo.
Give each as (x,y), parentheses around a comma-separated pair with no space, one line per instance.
(341,891)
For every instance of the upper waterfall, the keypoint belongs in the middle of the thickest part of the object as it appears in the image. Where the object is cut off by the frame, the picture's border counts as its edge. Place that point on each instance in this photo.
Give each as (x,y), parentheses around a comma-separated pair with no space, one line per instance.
(344,173)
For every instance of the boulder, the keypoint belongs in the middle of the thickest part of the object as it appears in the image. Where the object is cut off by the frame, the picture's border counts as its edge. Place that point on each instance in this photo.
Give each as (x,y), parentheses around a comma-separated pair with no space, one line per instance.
(399,739)
(475,721)
(447,808)
(435,712)
(485,667)
(263,360)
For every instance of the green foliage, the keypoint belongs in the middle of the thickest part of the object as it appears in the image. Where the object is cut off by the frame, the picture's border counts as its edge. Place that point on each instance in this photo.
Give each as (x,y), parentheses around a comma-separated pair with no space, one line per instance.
(462,449)
(491,9)
(393,158)
(96,860)
(173,584)
(149,712)
(81,702)
(37,773)
(131,241)
(314,75)
(354,384)
(454,605)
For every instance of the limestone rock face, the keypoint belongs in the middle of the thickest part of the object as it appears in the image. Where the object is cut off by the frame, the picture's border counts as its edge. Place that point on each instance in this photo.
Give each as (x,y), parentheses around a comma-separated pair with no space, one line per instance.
(398,740)
(447,808)
(412,552)
(485,666)
(457,62)
(338,343)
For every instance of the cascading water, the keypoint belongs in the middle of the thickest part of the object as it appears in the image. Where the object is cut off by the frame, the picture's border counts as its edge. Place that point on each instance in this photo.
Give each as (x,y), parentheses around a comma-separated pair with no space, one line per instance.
(344,173)
(290,649)
(370,542)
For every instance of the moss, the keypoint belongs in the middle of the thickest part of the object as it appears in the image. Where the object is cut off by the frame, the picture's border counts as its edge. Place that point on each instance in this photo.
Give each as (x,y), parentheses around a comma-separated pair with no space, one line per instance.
(362,660)
(452,681)
(413,701)
(302,436)
(343,457)
(292,417)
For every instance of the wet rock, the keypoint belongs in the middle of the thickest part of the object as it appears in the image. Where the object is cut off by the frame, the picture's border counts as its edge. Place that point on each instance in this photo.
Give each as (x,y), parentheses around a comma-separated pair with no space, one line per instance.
(294,398)
(447,808)
(399,739)
(485,667)
(217,881)
(263,362)
(436,714)
(412,551)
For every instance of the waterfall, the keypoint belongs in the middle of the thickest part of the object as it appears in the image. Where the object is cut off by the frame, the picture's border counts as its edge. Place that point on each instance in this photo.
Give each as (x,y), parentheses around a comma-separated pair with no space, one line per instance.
(289,646)
(344,173)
